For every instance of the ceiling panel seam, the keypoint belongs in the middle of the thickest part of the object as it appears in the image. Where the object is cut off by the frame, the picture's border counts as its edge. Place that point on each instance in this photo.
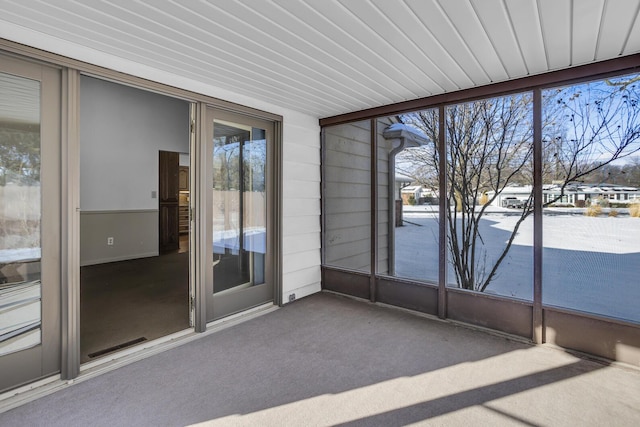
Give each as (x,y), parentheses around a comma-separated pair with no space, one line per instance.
(252,90)
(441,45)
(603,11)
(571,33)
(515,35)
(484,27)
(344,86)
(354,81)
(428,57)
(392,25)
(462,40)
(259,88)
(348,53)
(277,79)
(371,51)
(634,22)
(544,44)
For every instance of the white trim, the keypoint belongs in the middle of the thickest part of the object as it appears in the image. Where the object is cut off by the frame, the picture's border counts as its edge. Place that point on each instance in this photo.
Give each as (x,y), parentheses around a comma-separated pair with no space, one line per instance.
(119,258)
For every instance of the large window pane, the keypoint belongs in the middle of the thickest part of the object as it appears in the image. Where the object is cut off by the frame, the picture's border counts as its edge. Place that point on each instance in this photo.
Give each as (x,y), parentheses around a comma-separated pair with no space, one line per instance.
(489,175)
(591,138)
(408,182)
(20,214)
(347,196)
(239,206)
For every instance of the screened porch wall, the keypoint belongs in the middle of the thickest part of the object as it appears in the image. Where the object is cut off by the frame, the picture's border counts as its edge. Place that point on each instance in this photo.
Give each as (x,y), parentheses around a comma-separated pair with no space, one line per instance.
(591,316)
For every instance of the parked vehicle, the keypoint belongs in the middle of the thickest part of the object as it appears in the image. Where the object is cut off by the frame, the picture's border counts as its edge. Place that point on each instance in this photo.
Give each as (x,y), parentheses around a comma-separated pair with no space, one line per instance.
(512,203)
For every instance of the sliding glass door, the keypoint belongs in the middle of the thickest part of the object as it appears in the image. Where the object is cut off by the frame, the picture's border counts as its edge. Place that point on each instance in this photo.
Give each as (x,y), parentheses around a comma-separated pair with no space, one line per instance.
(240,153)
(29,222)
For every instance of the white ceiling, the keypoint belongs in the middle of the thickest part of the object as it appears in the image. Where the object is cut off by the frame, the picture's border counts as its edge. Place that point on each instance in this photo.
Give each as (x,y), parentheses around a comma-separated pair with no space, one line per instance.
(327,57)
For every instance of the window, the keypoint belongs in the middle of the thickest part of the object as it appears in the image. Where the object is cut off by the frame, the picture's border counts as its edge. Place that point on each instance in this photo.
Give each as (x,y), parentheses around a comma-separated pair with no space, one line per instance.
(591,137)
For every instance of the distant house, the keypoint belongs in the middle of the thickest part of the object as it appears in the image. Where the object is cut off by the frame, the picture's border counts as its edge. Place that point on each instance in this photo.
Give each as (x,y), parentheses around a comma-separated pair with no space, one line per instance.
(574,193)
(422,195)
(402,182)
(578,194)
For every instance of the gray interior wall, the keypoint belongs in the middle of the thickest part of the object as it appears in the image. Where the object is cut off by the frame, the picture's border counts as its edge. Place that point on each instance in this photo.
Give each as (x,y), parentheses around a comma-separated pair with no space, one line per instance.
(347,180)
(135,235)
(122,129)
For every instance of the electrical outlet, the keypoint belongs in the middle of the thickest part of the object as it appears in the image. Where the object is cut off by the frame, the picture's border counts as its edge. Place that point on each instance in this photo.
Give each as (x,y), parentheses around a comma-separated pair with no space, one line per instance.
(110,241)
(292,297)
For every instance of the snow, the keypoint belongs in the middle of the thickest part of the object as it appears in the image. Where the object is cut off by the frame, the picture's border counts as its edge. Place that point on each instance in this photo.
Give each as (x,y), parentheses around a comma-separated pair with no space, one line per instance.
(589,263)
(402,127)
(19,255)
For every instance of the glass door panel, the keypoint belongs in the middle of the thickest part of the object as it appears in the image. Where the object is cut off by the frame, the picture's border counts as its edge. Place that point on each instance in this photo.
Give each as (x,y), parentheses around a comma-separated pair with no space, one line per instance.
(20,215)
(239,217)
(29,228)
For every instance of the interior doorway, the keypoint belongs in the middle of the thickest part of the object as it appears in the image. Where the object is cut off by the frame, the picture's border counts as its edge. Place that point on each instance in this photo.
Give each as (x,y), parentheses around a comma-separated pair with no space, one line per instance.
(134,274)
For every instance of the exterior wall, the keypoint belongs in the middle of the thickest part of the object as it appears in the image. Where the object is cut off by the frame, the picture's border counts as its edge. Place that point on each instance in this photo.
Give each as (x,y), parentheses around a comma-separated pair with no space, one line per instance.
(301,207)
(301,154)
(347,178)
(348,218)
(384,214)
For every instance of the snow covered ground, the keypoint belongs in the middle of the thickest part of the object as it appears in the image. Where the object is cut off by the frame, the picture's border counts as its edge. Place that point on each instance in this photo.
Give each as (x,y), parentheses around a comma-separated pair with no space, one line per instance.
(589,264)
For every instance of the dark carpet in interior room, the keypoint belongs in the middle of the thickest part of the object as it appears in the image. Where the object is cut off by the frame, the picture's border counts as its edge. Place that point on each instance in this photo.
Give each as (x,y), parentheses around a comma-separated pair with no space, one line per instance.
(123,301)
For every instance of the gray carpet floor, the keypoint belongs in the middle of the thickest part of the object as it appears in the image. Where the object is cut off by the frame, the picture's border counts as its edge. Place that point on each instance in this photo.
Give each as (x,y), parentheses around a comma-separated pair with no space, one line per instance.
(330,360)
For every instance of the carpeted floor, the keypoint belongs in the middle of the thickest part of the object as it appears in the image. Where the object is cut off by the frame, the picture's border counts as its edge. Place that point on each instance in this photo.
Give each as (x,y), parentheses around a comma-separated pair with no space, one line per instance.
(330,360)
(128,300)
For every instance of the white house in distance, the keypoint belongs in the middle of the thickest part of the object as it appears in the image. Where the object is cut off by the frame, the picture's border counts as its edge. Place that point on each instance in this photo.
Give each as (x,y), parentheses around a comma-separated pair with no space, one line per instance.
(573,194)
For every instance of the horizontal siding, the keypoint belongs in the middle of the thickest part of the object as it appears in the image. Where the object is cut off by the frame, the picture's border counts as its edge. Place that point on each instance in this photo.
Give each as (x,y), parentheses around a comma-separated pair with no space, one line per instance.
(358,131)
(348,220)
(301,292)
(358,262)
(342,160)
(345,235)
(301,208)
(301,171)
(296,152)
(294,226)
(346,249)
(301,189)
(346,205)
(338,190)
(346,175)
(346,147)
(347,183)
(301,260)
(383,173)
(309,275)
(301,242)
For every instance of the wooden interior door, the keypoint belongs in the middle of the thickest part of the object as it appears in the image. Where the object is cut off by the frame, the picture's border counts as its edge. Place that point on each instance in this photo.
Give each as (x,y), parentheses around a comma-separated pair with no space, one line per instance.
(169,201)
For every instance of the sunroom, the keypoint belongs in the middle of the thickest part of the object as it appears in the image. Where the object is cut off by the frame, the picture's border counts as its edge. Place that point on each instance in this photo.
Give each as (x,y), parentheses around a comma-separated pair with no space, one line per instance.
(168,166)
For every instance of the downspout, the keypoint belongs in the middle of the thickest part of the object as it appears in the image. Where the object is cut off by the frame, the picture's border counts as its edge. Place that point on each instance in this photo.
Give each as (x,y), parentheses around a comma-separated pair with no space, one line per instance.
(391,224)
(406,137)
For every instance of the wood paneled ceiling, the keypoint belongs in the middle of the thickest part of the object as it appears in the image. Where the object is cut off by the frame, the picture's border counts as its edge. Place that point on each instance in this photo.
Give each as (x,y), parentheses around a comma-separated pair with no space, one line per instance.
(328,57)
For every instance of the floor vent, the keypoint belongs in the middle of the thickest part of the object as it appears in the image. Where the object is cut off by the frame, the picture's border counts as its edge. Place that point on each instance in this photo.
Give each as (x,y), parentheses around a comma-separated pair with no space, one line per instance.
(117,347)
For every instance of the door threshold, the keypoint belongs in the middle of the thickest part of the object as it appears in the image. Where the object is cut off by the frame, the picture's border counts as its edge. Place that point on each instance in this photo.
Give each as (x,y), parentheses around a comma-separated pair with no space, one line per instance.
(30,392)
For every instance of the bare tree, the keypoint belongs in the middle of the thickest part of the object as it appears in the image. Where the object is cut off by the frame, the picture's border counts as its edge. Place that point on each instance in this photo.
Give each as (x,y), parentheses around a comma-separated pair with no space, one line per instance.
(490,147)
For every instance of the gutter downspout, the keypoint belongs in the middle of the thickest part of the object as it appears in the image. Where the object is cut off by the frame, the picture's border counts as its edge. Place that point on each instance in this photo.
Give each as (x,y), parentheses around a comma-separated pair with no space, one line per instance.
(406,137)
(391,223)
